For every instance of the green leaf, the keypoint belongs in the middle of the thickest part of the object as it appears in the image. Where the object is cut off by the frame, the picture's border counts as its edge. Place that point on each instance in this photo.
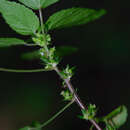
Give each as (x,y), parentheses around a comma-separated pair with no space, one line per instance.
(121,117)
(19,18)
(48,3)
(72,17)
(37,4)
(117,117)
(7,42)
(65,50)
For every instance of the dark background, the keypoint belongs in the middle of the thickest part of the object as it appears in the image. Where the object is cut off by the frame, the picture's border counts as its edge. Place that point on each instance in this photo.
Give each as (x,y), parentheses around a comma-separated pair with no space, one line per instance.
(102,70)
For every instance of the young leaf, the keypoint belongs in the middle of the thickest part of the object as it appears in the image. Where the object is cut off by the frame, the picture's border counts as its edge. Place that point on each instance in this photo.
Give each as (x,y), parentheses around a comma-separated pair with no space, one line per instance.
(117,117)
(7,42)
(19,18)
(37,4)
(72,17)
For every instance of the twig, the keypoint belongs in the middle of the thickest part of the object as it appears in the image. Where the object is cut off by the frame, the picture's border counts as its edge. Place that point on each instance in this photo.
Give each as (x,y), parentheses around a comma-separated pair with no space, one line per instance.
(76,97)
(21,70)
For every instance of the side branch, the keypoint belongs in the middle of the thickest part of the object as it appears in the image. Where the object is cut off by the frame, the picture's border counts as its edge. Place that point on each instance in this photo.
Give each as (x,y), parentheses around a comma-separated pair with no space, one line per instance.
(57,114)
(54,117)
(21,71)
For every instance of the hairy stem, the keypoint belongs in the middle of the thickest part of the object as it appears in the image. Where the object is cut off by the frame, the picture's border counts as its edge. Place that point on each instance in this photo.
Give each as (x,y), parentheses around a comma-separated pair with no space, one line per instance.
(76,97)
(55,116)
(43,29)
(21,71)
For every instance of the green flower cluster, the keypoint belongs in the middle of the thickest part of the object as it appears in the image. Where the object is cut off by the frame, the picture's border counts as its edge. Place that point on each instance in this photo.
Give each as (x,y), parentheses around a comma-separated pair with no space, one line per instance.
(67,95)
(67,73)
(42,40)
(89,113)
(50,59)
(47,54)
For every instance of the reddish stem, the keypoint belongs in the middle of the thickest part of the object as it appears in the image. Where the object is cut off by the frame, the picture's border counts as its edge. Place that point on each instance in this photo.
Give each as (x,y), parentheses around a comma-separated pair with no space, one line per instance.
(76,97)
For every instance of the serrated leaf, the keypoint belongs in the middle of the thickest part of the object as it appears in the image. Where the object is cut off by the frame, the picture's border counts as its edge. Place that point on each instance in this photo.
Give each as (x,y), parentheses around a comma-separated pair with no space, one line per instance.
(117,117)
(65,50)
(7,42)
(72,17)
(19,18)
(37,4)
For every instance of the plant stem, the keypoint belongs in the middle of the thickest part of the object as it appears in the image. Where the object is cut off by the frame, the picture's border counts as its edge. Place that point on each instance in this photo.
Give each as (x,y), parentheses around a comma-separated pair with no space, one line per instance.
(76,97)
(67,81)
(55,116)
(41,20)
(21,71)
(43,29)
